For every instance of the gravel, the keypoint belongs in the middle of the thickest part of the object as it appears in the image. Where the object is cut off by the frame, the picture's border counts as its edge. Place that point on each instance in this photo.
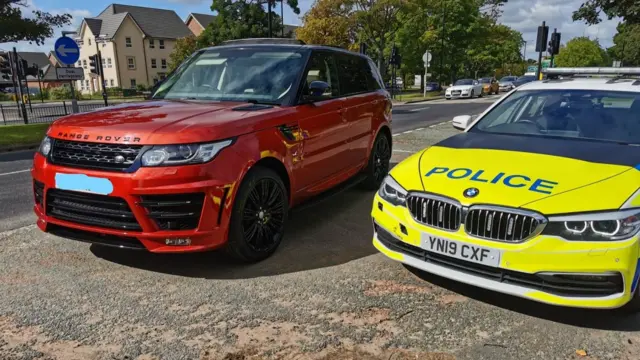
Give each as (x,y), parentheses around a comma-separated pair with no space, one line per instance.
(326,294)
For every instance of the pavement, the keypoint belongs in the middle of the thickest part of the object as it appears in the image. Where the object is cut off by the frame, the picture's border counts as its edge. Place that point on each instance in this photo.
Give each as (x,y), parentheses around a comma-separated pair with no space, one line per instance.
(325,294)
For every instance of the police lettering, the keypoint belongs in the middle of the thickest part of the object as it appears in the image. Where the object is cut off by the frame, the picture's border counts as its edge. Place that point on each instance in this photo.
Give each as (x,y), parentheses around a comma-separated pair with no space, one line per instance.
(514,181)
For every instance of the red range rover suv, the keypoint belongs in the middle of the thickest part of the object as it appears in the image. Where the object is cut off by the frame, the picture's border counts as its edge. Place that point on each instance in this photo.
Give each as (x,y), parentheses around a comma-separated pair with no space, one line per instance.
(226,145)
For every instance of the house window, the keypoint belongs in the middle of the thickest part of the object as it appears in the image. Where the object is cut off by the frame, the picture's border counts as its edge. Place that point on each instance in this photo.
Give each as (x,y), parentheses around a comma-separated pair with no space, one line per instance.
(162,76)
(109,63)
(104,63)
(152,44)
(89,42)
(127,42)
(104,44)
(112,82)
(86,84)
(155,81)
(131,62)
(133,83)
(164,63)
(161,43)
(153,64)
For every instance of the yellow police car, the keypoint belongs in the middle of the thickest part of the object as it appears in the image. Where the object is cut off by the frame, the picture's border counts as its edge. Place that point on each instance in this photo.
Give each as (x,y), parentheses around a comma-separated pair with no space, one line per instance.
(538,197)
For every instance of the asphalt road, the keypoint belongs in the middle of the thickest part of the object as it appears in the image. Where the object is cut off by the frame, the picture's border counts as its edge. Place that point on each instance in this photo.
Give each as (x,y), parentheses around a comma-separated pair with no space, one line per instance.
(15,186)
(325,294)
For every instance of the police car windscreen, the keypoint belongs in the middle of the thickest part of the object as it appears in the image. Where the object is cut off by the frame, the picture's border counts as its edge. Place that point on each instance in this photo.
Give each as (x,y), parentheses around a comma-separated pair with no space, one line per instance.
(610,116)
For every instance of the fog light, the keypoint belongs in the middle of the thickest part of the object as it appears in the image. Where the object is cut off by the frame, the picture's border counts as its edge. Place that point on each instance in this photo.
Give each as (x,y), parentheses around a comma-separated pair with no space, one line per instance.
(178,242)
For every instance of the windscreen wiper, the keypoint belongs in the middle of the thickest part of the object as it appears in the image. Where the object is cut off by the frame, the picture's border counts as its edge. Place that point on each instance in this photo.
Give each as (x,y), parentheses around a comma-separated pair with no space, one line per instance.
(261,102)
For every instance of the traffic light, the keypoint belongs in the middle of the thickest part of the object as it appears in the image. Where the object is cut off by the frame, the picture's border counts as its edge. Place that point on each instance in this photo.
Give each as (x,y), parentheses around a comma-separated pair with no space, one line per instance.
(554,44)
(5,68)
(541,39)
(395,58)
(363,48)
(94,64)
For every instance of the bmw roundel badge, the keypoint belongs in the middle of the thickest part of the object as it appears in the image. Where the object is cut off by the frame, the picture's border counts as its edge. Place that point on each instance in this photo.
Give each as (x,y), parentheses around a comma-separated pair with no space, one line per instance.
(471,192)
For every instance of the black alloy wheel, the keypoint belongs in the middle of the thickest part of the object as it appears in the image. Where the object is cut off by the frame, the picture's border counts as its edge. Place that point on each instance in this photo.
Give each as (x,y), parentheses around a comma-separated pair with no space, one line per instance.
(263,215)
(379,160)
(259,216)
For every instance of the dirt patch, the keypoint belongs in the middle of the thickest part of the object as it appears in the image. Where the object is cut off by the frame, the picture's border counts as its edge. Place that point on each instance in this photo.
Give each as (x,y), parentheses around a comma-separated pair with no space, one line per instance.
(449,299)
(280,333)
(24,340)
(370,316)
(342,353)
(387,287)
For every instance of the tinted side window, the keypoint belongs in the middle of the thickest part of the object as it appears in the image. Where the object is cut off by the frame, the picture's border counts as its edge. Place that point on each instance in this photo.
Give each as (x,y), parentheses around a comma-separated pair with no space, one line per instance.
(322,68)
(352,74)
(374,78)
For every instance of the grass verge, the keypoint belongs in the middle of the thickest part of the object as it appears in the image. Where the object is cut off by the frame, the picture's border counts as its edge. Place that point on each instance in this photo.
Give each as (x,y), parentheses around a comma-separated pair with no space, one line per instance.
(417,96)
(21,135)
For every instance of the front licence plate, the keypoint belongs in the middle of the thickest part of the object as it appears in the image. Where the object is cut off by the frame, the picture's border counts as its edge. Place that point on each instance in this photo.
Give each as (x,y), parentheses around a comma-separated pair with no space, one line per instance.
(460,250)
(83,183)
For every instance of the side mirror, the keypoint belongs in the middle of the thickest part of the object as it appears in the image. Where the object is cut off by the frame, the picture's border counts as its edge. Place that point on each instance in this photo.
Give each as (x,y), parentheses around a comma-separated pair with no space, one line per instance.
(317,89)
(461,122)
(450,84)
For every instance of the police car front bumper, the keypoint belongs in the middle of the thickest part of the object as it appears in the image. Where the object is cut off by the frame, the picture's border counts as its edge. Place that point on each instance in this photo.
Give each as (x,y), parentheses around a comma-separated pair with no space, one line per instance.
(545,268)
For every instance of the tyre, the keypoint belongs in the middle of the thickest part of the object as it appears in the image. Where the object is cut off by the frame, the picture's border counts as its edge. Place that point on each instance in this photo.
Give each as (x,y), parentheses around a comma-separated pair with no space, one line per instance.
(258,217)
(378,166)
(472,94)
(481,94)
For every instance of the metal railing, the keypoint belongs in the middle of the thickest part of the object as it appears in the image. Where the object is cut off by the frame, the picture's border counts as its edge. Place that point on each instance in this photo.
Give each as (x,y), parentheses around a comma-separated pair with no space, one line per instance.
(41,113)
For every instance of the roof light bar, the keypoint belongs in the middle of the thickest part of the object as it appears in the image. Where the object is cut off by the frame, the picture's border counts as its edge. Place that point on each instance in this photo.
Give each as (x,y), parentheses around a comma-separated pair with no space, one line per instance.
(593,71)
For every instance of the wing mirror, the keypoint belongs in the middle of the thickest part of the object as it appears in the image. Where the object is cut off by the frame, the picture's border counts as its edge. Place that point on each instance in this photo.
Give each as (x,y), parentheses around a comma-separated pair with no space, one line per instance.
(461,122)
(317,89)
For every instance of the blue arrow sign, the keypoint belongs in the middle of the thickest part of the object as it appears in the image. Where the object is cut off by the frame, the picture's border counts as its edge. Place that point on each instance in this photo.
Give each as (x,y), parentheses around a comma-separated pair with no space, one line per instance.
(67,50)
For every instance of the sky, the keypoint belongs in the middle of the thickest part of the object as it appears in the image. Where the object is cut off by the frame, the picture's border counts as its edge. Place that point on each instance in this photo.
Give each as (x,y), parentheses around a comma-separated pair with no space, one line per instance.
(522,15)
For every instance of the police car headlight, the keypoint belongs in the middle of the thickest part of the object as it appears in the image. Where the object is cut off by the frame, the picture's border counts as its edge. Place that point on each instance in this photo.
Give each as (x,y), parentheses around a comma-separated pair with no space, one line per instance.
(392,192)
(168,155)
(609,226)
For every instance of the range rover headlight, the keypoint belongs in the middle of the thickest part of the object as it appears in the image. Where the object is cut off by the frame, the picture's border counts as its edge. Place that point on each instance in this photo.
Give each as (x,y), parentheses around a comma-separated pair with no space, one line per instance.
(169,155)
(605,226)
(392,192)
(45,146)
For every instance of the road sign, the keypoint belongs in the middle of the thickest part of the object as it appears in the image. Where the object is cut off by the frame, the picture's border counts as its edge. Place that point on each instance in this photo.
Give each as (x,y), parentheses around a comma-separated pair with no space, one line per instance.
(65,73)
(67,51)
(426,57)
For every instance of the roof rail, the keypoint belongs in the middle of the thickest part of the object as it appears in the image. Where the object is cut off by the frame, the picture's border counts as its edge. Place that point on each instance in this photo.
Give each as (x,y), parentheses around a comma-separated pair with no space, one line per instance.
(272,41)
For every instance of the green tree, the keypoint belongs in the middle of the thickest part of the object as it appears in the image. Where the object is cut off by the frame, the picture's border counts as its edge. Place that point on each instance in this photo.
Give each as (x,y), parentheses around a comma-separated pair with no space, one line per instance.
(15,27)
(183,49)
(581,52)
(376,23)
(236,19)
(590,10)
(329,22)
(240,19)
(627,44)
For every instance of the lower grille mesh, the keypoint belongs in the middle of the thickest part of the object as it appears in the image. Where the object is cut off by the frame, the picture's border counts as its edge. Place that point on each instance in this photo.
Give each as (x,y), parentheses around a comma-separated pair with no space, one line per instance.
(91,209)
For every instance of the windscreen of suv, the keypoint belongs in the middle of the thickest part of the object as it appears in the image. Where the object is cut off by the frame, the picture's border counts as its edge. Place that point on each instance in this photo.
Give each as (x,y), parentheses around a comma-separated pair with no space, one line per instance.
(609,116)
(485,81)
(234,74)
(464,82)
(508,79)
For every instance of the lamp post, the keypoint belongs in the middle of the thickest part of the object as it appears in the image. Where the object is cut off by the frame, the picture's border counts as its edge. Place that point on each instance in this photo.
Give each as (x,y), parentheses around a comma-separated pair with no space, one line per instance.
(101,66)
(444,12)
